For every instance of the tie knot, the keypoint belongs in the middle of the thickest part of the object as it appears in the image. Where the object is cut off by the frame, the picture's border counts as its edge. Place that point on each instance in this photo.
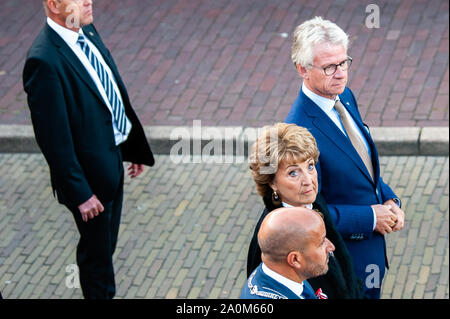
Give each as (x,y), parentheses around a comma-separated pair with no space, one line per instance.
(339,107)
(81,40)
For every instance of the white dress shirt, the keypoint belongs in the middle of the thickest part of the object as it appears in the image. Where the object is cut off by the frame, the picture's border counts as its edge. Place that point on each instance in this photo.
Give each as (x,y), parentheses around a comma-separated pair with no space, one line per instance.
(295,287)
(327,105)
(71,38)
(310,206)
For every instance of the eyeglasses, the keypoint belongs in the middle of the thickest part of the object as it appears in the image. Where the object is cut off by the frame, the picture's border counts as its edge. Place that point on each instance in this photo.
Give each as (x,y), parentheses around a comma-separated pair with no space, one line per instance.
(331,69)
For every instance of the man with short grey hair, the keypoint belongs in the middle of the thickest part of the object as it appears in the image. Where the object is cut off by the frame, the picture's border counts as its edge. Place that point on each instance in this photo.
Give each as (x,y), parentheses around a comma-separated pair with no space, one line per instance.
(85,127)
(362,206)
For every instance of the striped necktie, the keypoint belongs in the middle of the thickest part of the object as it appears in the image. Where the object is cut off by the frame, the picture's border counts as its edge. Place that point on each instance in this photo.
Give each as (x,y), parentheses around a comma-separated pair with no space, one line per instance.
(356,141)
(116,104)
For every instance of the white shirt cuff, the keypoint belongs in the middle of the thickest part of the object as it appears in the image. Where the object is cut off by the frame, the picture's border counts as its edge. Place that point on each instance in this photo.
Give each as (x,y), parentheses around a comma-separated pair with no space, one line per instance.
(374,219)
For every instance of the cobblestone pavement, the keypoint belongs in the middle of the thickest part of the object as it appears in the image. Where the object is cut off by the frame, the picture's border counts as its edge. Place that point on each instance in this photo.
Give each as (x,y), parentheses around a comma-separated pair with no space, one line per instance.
(186,227)
(228,62)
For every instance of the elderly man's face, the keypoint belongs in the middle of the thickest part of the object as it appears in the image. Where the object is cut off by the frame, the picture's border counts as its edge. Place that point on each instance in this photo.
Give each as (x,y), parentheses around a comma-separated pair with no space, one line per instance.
(317,81)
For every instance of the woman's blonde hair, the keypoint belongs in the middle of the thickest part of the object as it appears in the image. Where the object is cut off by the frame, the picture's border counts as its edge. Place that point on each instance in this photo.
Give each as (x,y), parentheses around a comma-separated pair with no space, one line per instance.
(277,143)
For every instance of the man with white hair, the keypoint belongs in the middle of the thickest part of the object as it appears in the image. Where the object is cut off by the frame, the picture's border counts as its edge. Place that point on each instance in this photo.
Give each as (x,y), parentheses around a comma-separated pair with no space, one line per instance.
(86,127)
(362,206)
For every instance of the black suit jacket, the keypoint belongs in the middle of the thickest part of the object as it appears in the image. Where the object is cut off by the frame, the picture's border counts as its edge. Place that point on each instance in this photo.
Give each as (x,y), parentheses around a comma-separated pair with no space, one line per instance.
(72,124)
(340,281)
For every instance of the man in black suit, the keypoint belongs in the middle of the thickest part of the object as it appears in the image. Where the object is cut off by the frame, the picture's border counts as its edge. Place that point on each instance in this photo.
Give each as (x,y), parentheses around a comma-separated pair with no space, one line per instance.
(85,126)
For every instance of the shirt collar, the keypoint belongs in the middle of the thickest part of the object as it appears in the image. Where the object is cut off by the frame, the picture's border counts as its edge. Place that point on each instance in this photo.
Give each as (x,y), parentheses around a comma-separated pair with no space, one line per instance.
(69,36)
(325,104)
(296,287)
(310,206)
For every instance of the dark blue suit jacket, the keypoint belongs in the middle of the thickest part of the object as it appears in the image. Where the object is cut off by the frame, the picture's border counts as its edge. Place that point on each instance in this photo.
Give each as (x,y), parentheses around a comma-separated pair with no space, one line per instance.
(261,286)
(345,182)
(72,124)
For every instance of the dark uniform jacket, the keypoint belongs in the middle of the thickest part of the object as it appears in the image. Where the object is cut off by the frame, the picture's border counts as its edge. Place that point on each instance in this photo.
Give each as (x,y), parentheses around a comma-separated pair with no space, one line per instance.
(261,286)
(340,281)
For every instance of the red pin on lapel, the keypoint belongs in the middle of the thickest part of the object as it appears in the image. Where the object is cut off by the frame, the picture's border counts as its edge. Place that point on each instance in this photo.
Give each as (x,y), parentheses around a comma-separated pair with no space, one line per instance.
(320,294)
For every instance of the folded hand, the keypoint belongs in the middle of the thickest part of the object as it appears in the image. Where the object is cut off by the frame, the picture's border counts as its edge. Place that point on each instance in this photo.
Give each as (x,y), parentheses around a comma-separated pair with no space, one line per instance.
(91,208)
(134,170)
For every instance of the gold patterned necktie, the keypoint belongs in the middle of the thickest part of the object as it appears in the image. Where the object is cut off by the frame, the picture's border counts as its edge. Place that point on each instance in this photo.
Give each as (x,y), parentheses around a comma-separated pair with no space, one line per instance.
(357,143)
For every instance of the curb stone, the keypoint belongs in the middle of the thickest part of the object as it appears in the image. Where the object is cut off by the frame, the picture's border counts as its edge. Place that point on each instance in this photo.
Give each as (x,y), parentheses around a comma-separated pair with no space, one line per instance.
(390,141)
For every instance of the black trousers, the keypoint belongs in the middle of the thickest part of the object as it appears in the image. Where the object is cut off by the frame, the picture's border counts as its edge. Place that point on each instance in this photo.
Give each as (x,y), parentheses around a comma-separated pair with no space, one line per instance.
(98,240)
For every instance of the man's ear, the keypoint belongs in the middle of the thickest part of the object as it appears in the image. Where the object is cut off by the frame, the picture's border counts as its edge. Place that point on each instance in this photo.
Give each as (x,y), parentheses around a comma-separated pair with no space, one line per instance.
(302,71)
(53,6)
(295,260)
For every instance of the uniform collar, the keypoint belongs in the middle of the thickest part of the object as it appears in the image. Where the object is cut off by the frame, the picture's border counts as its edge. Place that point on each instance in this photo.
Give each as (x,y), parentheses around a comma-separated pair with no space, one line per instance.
(295,287)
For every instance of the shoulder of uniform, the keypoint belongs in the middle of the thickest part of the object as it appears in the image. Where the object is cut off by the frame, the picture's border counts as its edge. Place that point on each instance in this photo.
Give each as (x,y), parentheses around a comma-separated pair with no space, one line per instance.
(264,292)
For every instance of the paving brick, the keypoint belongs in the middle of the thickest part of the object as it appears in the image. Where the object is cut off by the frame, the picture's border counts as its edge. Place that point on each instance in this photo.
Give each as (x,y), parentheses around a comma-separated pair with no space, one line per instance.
(388,285)
(194,293)
(423,274)
(419,292)
(143,289)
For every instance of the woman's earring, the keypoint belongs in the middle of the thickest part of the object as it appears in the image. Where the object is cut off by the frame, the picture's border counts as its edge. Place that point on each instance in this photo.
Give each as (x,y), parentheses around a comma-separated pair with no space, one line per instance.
(275,197)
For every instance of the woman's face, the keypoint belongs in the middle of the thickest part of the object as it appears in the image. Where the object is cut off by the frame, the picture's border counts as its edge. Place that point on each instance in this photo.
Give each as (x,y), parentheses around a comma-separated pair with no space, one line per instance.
(296,182)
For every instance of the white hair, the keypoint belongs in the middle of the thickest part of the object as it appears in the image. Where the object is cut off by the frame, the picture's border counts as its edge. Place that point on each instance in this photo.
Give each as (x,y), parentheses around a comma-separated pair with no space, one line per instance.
(313,32)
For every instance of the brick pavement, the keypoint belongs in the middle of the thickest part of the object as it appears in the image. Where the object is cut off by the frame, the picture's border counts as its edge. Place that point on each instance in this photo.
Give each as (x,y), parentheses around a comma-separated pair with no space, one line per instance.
(186,227)
(228,62)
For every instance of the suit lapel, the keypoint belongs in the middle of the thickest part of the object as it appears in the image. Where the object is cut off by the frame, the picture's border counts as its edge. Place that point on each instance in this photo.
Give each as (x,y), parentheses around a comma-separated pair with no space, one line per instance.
(324,124)
(95,39)
(66,52)
(308,291)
